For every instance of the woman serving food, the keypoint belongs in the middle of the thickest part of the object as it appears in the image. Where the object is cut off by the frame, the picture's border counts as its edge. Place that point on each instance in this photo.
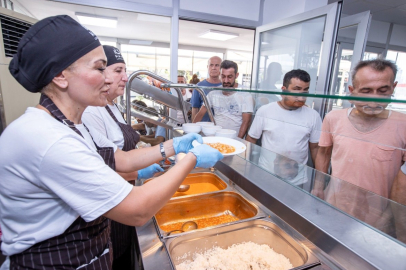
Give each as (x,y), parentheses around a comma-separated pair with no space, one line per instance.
(58,183)
(110,123)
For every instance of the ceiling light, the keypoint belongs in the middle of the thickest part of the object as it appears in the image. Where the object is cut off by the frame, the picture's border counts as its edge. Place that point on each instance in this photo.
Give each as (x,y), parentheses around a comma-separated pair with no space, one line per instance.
(140,42)
(97,20)
(218,35)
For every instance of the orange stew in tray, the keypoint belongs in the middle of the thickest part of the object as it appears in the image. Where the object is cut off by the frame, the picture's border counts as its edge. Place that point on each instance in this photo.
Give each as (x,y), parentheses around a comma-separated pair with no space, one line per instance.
(223,148)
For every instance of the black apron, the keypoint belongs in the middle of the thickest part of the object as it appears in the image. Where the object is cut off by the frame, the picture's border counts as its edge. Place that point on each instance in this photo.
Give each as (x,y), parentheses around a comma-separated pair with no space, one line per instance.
(82,241)
(122,235)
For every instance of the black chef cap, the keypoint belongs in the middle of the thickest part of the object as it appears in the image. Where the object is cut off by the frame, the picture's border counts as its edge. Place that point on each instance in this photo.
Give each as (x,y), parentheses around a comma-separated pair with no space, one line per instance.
(47,48)
(113,55)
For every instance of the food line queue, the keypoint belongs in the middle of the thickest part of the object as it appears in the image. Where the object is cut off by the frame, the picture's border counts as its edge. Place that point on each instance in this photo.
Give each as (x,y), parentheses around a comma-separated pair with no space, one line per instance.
(78,80)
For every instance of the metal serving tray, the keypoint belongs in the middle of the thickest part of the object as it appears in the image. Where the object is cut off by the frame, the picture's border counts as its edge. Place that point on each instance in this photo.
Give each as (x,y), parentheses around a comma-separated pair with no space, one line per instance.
(200,183)
(260,231)
(208,205)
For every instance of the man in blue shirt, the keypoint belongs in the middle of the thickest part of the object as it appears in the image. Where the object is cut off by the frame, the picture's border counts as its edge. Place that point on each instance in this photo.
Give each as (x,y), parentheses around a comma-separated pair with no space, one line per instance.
(213,69)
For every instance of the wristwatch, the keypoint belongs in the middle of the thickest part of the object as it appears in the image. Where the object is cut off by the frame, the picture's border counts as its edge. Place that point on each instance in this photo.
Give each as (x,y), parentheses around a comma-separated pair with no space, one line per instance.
(161,148)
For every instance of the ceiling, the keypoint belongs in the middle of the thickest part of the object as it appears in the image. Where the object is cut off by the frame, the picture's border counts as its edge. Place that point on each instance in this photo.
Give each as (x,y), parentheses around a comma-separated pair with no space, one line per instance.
(392,11)
(137,26)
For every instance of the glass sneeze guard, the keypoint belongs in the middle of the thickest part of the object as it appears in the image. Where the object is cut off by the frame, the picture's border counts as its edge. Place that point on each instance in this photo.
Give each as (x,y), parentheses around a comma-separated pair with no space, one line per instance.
(364,163)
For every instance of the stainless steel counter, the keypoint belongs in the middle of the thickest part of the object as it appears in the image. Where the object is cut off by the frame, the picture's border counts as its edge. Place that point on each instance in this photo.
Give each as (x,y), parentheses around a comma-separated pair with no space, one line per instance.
(155,256)
(337,239)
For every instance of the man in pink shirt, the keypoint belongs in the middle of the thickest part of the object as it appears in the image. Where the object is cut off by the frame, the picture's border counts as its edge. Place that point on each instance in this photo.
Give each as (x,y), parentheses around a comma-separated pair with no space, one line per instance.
(365,144)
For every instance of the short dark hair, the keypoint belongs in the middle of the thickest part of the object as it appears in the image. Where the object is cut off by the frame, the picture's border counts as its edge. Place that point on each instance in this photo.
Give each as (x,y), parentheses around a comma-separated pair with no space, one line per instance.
(139,102)
(295,73)
(152,111)
(226,64)
(376,64)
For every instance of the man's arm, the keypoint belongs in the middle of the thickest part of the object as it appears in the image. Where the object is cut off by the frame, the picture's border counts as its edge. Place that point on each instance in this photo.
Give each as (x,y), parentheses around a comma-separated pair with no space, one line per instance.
(398,192)
(323,158)
(196,103)
(314,147)
(153,141)
(322,163)
(138,126)
(250,139)
(194,113)
(200,114)
(147,136)
(246,120)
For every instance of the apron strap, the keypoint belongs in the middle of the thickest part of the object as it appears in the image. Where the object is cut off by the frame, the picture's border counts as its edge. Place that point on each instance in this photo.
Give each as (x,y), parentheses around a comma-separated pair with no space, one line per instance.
(111,113)
(46,102)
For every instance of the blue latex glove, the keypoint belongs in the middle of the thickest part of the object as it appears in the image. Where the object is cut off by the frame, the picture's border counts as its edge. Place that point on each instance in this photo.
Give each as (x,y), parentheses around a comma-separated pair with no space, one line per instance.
(149,171)
(206,156)
(184,144)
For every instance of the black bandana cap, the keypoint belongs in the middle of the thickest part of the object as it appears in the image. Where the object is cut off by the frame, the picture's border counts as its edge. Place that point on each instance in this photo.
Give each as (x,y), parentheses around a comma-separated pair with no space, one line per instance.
(49,47)
(113,55)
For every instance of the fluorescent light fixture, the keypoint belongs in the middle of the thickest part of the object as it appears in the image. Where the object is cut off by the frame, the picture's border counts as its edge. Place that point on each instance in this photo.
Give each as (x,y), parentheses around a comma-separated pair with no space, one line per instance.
(97,20)
(218,35)
(140,42)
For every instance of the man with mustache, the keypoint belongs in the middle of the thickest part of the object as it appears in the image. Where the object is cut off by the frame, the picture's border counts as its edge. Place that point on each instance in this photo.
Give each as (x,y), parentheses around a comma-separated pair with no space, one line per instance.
(232,110)
(364,142)
(366,146)
(287,127)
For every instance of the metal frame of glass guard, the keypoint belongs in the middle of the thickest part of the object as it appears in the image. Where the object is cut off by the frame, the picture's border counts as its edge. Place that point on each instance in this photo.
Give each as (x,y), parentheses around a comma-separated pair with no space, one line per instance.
(332,13)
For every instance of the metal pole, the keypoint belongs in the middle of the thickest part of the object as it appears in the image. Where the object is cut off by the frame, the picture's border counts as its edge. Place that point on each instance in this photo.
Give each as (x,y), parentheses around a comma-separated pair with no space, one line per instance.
(193,61)
(201,92)
(159,78)
(388,38)
(128,100)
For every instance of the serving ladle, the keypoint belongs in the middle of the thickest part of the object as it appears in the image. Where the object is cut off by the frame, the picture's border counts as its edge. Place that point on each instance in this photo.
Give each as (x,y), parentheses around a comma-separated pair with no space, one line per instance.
(183,188)
(186,227)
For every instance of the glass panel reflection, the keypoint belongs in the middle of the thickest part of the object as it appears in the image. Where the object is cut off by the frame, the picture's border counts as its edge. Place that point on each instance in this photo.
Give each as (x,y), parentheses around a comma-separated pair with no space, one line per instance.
(357,152)
(297,46)
(378,212)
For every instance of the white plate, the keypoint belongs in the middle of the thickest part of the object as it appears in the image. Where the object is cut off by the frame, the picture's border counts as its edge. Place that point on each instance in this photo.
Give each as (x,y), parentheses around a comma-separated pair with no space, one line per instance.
(239,146)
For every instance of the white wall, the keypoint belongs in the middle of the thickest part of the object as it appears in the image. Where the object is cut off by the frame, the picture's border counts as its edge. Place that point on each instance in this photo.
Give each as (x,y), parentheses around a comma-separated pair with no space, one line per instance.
(398,35)
(275,10)
(378,31)
(248,10)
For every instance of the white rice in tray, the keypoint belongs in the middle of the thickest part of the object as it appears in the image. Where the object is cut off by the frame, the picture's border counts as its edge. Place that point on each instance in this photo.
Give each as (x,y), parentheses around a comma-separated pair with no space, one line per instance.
(245,256)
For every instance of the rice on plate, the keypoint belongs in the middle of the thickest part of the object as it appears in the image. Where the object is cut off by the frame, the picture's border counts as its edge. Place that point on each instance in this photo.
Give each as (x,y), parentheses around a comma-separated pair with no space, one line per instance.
(244,256)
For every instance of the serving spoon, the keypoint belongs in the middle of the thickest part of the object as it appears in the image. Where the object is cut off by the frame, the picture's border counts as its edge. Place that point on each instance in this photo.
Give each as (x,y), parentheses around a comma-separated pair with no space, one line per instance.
(186,227)
(183,188)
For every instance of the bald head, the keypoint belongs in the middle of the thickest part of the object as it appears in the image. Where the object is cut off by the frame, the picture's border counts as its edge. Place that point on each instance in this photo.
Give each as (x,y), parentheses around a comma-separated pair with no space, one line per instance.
(213,67)
(214,58)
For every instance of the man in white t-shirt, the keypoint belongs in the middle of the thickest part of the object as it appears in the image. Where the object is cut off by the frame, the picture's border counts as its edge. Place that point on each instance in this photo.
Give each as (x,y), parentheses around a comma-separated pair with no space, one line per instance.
(186,97)
(288,127)
(232,110)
